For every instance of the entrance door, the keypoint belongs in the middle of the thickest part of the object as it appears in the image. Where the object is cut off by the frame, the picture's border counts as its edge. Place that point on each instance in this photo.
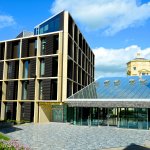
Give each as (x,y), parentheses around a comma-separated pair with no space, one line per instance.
(103,116)
(57,113)
(112,114)
(86,116)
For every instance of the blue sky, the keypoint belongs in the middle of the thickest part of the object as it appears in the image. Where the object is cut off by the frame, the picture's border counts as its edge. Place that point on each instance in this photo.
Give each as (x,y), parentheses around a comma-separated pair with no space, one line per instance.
(115,29)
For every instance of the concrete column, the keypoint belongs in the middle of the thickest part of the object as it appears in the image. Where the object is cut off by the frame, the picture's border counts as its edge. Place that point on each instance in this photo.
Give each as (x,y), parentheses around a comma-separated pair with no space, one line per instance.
(36,105)
(3,107)
(19,96)
(36,112)
(59,83)
(65,57)
(18,115)
(75,114)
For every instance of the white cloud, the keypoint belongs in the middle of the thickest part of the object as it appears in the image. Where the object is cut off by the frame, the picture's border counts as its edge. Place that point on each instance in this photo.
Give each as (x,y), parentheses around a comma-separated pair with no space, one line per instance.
(6,21)
(110,15)
(112,62)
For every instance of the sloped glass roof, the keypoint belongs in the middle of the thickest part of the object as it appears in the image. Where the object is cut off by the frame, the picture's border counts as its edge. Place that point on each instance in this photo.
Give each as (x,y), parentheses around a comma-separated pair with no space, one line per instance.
(130,87)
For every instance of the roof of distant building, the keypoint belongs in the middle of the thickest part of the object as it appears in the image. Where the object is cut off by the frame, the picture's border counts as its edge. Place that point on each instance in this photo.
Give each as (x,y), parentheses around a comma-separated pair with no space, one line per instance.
(24,34)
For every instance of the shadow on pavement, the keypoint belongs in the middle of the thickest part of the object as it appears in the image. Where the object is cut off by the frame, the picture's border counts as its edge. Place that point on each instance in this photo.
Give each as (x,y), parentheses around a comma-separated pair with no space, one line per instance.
(135,147)
(9,130)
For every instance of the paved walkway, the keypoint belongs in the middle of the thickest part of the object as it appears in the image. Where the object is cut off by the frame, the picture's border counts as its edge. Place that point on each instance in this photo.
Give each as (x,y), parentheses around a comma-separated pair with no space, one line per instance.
(63,136)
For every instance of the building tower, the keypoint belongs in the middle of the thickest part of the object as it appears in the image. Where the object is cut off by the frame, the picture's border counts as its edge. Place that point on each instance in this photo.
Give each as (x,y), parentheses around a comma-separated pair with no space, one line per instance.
(138,66)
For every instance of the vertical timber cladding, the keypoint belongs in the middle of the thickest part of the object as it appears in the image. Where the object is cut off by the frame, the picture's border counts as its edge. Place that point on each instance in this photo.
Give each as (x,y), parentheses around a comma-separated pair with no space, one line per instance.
(49,67)
(11,108)
(46,89)
(13,69)
(1,70)
(69,88)
(31,89)
(27,111)
(49,44)
(25,51)
(12,88)
(31,48)
(9,50)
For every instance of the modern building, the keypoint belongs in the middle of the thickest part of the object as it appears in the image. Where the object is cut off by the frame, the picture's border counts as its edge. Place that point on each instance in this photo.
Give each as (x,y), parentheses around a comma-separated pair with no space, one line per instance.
(138,66)
(113,101)
(39,71)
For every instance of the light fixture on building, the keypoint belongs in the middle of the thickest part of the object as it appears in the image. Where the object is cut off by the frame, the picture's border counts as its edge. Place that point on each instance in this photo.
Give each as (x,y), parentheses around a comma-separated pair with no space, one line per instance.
(142,81)
(106,82)
(117,82)
(132,81)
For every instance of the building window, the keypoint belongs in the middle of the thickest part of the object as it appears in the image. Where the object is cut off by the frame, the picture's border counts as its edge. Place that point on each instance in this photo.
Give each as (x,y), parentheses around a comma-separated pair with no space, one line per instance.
(42,67)
(26,69)
(134,68)
(132,81)
(117,82)
(40,90)
(43,46)
(106,82)
(45,28)
(24,90)
(41,30)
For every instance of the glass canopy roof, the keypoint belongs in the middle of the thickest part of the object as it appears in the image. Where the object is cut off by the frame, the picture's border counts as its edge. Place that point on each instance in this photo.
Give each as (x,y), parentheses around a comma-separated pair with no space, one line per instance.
(131,87)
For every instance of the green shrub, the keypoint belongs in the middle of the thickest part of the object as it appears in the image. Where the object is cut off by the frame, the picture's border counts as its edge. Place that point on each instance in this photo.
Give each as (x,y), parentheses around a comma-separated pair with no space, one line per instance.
(3,137)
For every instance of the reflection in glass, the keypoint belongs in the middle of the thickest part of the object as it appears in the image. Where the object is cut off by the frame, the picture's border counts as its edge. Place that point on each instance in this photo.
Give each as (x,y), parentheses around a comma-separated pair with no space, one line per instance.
(42,67)
(26,69)
(43,46)
(24,90)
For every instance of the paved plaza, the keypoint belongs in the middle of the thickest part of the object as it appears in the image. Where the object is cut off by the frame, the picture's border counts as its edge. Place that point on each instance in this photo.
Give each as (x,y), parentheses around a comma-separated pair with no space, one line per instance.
(63,136)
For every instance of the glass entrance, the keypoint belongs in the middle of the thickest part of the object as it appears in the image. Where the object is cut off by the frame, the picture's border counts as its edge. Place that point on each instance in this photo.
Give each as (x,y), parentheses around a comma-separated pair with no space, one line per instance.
(86,116)
(136,118)
(93,116)
(103,116)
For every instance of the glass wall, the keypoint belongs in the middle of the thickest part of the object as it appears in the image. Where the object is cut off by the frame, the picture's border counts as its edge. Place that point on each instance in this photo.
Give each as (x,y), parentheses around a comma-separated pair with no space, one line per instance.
(94,116)
(43,46)
(51,25)
(135,118)
(40,90)
(26,69)
(25,90)
(42,67)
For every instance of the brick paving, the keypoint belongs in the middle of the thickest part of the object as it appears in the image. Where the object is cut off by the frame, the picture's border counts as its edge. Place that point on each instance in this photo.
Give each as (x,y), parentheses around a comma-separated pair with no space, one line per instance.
(63,136)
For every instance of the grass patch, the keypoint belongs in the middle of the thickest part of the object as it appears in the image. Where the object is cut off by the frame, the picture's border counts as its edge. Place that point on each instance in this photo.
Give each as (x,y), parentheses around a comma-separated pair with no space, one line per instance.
(3,137)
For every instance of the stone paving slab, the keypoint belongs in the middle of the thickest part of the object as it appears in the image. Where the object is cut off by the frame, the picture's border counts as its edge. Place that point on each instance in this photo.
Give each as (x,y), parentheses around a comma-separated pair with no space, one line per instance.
(63,136)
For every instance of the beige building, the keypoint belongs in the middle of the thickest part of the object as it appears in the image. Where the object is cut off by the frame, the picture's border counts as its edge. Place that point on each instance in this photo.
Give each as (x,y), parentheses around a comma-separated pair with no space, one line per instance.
(138,66)
(39,71)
